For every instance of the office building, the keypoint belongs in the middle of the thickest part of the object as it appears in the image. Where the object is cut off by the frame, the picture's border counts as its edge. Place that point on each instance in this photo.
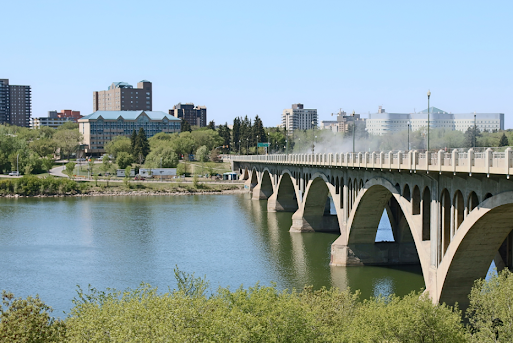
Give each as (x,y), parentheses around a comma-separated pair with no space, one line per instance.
(15,104)
(384,122)
(343,122)
(194,115)
(55,119)
(101,127)
(298,118)
(122,96)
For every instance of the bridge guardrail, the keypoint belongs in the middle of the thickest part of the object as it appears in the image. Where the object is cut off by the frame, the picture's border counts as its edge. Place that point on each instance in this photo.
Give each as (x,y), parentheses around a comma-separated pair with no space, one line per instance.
(487,162)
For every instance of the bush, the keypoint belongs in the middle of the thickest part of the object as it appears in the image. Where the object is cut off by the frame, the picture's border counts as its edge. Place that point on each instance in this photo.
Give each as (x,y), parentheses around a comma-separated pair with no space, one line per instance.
(490,311)
(32,185)
(28,320)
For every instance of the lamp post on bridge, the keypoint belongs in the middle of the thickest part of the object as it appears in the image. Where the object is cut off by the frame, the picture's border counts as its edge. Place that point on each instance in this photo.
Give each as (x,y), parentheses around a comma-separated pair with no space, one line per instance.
(257,146)
(429,95)
(239,146)
(409,135)
(354,126)
(247,146)
(475,130)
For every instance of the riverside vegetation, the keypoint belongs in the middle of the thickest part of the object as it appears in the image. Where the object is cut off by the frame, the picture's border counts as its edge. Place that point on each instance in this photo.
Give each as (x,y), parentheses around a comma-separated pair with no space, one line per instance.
(260,314)
(30,185)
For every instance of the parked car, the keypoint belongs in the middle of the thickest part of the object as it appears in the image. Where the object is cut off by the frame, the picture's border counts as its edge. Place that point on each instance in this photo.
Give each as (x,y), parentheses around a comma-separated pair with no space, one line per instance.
(14,173)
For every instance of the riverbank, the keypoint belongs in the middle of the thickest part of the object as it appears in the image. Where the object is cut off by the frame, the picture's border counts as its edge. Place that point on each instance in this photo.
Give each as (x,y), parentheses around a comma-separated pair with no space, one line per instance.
(31,186)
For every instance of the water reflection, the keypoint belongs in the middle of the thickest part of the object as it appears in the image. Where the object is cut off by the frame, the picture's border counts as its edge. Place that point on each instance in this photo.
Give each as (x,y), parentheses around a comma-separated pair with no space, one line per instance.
(48,246)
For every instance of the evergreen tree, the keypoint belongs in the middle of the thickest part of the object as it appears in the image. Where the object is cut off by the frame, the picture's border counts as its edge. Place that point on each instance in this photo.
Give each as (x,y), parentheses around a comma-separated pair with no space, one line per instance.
(225,133)
(186,126)
(471,136)
(258,129)
(236,135)
(504,140)
(142,146)
(133,138)
(212,125)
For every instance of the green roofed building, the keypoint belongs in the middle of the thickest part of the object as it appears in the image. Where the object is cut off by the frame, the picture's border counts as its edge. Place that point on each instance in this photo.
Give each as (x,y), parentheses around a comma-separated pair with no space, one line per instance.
(100,127)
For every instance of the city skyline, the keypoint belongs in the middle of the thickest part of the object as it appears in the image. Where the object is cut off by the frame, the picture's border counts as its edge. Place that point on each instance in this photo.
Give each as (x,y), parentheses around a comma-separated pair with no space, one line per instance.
(262,58)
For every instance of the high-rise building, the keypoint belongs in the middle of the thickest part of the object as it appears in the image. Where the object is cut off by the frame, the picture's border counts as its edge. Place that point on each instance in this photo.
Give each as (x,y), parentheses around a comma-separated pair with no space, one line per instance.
(122,96)
(384,122)
(15,104)
(298,118)
(194,115)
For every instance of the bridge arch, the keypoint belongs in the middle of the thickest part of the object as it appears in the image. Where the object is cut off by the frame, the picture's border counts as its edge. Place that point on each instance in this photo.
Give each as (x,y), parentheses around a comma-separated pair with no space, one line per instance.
(265,187)
(286,197)
(314,211)
(473,247)
(363,224)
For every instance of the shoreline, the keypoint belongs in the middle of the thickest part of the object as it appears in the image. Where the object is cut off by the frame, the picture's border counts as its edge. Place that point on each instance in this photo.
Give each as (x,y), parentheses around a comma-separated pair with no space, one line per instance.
(128,193)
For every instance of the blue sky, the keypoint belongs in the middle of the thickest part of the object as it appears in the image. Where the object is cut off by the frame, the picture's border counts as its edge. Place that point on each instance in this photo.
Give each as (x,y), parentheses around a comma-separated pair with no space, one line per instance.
(259,57)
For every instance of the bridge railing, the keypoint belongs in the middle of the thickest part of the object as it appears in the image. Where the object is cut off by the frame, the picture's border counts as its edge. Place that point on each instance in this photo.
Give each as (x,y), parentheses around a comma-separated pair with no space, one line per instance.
(456,161)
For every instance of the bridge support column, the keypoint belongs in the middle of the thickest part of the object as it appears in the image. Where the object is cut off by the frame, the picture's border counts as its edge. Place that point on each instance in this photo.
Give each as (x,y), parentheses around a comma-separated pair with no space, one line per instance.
(286,203)
(302,222)
(380,253)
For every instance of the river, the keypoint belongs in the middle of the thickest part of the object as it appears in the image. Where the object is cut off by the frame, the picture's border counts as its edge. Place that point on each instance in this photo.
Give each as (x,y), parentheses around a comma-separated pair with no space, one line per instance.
(50,245)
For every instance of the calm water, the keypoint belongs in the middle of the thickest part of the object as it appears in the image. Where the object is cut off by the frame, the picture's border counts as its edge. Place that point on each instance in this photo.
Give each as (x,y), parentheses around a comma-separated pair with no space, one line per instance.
(48,246)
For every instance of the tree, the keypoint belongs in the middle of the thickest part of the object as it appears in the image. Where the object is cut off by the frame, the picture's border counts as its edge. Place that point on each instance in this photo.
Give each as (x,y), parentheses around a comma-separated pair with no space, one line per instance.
(236,135)
(43,146)
(214,155)
(212,125)
(489,312)
(68,141)
(185,126)
(70,169)
(225,134)
(162,156)
(124,160)
(133,139)
(142,146)
(28,320)
(504,140)
(117,145)
(202,154)
(69,125)
(471,136)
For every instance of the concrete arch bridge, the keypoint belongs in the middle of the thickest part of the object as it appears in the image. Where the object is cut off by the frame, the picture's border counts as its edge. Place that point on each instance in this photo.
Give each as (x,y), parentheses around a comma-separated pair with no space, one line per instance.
(452,213)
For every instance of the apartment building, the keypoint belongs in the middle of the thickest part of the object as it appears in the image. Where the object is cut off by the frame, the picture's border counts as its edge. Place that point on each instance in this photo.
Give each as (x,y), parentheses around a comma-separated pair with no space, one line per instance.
(55,119)
(15,104)
(298,118)
(194,115)
(122,96)
(101,127)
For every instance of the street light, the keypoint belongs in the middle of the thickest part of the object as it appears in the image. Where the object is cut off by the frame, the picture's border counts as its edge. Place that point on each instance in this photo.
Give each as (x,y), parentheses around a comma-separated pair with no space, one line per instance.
(17,168)
(409,136)
(257,146)
(354,126)
(287,146)
(239,146)
(475,130)
(247,146)
(429,95)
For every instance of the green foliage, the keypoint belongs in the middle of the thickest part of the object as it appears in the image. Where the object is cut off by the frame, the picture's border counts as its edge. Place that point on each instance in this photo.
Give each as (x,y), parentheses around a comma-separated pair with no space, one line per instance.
(161,155)
(32,185)
(181,169)
(504,140)
(68,141)
(490,312)
(43,146)
(202,154)
(124,160)
(70,169)
(189,285)
(185,126)
(141,148)
(126,180)
(69,125)
(28,320)
(117,145)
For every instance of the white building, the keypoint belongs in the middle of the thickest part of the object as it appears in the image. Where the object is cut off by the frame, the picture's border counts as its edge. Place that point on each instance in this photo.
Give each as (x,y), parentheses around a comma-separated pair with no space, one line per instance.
(37,123)
(298,118)
(383,122)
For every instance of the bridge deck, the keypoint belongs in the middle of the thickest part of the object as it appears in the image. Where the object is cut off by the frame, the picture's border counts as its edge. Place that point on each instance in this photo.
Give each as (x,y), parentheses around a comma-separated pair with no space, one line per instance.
(487,162)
